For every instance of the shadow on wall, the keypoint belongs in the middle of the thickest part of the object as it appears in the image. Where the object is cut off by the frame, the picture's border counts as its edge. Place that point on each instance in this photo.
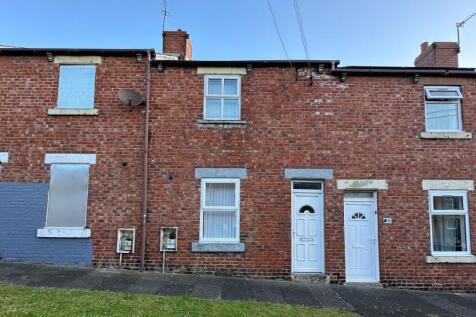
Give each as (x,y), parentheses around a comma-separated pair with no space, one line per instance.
(22,212)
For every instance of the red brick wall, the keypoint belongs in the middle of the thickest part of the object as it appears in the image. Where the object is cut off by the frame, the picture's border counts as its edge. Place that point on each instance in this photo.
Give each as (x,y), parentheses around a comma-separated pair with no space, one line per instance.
(367,127)
(28,88)
(364,128)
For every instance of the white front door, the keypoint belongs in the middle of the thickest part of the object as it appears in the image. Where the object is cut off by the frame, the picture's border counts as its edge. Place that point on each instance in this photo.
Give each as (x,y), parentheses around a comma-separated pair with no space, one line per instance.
(361,245)
(307,238)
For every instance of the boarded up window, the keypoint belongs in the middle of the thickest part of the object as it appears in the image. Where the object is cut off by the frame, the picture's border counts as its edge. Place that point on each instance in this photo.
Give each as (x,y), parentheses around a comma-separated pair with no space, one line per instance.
(68,195)
(76,87)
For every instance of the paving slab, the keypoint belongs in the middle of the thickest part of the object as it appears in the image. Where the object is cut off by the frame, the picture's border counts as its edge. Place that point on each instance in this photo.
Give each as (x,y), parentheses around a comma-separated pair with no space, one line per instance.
(267,291)
(298,294)
(236,289)
(326,296)
(457,304)
(373,302)
(104,281)
(207,290)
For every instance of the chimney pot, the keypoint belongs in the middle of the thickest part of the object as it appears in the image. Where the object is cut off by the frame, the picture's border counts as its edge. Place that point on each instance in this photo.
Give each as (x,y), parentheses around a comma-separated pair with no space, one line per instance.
(424,46)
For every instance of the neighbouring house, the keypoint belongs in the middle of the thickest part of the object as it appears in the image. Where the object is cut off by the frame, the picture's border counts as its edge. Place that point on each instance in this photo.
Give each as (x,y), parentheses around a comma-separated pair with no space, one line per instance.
(248,168)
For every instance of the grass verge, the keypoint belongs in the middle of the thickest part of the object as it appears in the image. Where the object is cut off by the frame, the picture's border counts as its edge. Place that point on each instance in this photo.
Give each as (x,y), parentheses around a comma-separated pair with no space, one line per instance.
(22,301)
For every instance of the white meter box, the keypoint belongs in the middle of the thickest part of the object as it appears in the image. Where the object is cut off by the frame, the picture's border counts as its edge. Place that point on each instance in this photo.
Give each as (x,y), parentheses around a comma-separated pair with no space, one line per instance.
(168,239)
(126,238)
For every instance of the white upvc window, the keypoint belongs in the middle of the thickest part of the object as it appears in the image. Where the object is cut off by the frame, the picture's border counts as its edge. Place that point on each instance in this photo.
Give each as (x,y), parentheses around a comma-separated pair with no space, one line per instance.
(76,87)
(449,223)
(220,210)
(443,109)
(222,97)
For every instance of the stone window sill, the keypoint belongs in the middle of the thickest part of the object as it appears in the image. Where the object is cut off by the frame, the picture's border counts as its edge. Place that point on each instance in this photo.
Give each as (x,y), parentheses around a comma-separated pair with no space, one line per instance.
(446,135)
(63,232)
(217,247)
(451,259)
(73,112)
(221,123)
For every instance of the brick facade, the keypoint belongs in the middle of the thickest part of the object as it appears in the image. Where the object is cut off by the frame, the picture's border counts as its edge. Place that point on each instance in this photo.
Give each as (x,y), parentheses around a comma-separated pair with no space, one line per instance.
(364,128)
(28,86)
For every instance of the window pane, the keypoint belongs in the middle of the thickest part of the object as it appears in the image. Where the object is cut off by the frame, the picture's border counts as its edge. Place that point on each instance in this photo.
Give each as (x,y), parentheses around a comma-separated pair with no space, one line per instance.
(220,194)
(448,203)
(214,86)
(231,87)
(307,185)
(219,224)
(442,116)
(444,93)
(231,109)
(351,195)
(213,108)
(76,87)
(449,233)
(68,195)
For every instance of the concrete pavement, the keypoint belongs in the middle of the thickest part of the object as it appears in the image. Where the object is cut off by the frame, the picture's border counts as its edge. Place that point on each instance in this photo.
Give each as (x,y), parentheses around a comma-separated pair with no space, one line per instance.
(363,300)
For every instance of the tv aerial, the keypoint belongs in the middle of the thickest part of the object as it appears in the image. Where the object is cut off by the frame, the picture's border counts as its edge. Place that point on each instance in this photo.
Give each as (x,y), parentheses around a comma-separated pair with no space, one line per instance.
(461,24)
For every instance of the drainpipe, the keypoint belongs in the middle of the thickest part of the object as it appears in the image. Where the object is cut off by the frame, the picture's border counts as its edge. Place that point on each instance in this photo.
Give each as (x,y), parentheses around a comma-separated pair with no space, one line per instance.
(146,160)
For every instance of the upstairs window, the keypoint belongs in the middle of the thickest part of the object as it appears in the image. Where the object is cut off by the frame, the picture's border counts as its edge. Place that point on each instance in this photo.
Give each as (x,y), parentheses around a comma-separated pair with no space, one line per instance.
(220,210)
(449,223)
(222,98)
(443,109)
(76,87)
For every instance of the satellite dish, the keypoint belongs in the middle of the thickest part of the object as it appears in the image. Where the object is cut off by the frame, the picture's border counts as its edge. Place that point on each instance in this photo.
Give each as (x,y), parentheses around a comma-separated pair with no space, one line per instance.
(130,97)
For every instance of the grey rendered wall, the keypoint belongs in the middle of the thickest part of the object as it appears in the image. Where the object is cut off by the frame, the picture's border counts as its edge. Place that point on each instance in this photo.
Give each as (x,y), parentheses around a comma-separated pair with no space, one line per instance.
(22,212)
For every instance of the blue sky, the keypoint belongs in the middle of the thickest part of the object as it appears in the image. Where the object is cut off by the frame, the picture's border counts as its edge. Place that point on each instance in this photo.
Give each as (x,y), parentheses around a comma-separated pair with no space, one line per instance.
(358,32)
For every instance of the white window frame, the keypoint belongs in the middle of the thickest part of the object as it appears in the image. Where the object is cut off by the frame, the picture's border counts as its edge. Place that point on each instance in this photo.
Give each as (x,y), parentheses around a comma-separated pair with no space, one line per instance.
(3,157)
(434,100)
(455,89)
(236,208)
(222,96)
(464,212)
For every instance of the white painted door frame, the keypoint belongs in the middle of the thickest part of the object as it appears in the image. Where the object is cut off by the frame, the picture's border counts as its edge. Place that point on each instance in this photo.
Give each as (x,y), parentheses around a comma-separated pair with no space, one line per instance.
(310,193)
(374,213)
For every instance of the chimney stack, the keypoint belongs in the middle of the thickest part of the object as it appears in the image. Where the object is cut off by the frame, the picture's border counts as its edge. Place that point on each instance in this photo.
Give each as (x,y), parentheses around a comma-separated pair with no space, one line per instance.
(177,43)
(438,54)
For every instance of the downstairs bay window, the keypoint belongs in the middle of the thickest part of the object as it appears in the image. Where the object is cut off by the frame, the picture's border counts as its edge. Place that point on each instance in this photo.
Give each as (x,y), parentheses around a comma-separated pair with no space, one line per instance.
(449,223)
(220,210)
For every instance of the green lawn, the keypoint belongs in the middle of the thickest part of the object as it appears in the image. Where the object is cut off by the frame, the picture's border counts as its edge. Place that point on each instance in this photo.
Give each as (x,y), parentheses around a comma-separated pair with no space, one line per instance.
(20,301)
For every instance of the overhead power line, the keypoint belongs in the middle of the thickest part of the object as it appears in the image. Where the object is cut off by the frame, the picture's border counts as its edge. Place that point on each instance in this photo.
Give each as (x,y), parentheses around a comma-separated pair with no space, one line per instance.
(279,34)
(301,30)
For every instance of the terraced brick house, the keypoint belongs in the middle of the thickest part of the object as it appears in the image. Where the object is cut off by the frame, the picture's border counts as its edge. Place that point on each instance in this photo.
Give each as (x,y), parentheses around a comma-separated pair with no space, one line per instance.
(246,168)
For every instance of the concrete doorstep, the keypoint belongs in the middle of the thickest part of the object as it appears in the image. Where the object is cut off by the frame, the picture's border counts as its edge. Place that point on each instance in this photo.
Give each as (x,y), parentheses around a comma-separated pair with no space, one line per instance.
(366,301)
